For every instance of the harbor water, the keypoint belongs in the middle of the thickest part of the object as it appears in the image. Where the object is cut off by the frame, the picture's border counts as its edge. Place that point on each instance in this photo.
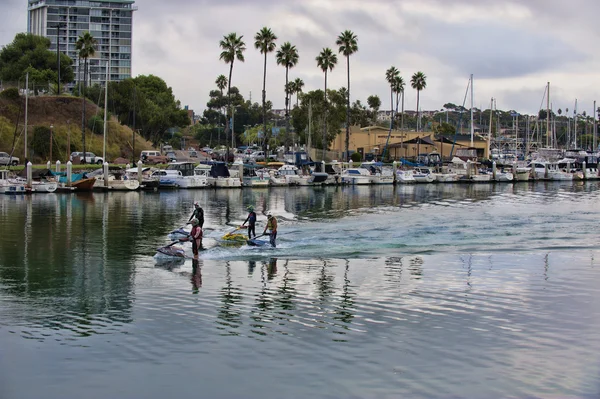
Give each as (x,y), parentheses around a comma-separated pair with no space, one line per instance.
(423,291)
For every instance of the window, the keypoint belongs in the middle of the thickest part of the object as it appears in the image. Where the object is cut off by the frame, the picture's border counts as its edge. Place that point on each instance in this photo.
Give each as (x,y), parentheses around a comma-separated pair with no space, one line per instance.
(125,49)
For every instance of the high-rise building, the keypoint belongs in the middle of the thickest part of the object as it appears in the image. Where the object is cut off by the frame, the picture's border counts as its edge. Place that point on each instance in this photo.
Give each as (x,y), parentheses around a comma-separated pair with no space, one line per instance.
(108,21)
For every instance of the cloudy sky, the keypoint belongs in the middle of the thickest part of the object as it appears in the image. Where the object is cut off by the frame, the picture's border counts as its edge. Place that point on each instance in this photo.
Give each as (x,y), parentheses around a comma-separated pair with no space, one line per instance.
(512,47)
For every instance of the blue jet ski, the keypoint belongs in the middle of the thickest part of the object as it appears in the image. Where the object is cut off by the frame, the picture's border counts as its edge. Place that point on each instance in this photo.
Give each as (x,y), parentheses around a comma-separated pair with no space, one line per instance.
(258,243)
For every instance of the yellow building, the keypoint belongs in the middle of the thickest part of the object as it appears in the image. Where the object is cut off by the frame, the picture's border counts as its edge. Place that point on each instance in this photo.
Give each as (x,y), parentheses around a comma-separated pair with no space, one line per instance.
(405,144)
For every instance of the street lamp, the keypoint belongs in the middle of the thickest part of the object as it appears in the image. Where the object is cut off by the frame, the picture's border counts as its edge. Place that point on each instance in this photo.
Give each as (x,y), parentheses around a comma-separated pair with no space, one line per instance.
(51,127)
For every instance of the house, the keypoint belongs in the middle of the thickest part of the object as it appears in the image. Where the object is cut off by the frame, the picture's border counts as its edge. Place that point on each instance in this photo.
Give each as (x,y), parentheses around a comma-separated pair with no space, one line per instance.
(404,144)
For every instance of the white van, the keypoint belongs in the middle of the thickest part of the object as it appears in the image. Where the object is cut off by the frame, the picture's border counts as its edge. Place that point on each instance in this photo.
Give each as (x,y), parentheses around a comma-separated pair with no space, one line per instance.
(153,157)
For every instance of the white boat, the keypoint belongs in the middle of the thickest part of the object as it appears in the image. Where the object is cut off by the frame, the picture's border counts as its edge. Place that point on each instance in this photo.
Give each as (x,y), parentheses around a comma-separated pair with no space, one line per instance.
(167,178)
(504,176)
(356,176)
(7,186)
(255,177)
(445,177)
(294,176)
(423,175)
(149,182)
(548,171)
(522,173)
(379,174)
(189,178)
(43,181)
(220,176)
(404,176)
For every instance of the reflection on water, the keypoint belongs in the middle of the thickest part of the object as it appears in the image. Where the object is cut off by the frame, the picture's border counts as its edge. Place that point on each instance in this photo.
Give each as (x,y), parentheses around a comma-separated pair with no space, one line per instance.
(427,291)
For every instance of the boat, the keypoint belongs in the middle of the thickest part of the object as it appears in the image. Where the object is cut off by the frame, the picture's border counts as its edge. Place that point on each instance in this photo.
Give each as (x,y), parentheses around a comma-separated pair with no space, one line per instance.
(188,177)
(356,176)
(42,180)
(379,174)
(117,180)
(167,178)
(259,243)
(521,173)
(548,171)
(504,176)
(148,181)
(423,175)
(404,176)
(254,177)
(178,234)
(220,176)
(79,182)
(7,186)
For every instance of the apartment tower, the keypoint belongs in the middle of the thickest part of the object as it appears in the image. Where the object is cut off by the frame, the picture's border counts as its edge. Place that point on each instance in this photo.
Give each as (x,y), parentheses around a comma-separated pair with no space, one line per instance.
(108,21)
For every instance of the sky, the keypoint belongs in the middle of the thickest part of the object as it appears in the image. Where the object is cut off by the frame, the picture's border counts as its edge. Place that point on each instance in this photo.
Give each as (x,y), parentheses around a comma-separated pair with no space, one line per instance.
(512,48)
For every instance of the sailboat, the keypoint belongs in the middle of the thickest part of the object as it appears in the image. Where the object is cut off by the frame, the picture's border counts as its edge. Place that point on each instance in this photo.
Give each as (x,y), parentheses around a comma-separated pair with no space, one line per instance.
(116,180)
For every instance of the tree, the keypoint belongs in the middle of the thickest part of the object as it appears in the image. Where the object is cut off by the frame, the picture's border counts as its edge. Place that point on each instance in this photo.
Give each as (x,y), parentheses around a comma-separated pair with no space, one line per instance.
(221,83)
(398,88)
(418,82)
(374,103)
(287,56)
(298,85)
(348,45)
(86,46)
(326,60)
(233,48)
(31,53)
(391,75)
(264,41)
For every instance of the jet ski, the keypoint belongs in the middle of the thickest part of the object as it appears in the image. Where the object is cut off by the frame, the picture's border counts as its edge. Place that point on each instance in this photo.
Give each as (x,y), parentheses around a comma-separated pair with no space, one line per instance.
(170,252)
(175,235)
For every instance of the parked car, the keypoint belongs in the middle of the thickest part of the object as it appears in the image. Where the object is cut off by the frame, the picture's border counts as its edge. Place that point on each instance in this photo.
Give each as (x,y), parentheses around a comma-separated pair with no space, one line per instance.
(90,157)
(153,157)
(6,159)
(258,156)
(207,150)
(193,154)
(171,156)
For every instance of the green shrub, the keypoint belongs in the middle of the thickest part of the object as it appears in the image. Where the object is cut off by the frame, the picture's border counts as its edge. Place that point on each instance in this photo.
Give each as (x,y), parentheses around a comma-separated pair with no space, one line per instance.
(10,94)
(356,157)
(96,124)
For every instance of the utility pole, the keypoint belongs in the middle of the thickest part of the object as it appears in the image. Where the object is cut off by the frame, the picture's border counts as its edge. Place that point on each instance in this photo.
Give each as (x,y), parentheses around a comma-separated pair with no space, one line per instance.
(26,104)
(51,127)
(58,58)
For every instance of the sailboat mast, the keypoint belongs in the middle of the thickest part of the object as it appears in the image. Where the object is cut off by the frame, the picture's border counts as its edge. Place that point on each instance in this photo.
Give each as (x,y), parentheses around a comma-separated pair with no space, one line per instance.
(575,125)
(548,116)
(309,125)
(490,127)
(472,128)
(105,107)
(26,104)
(595,134)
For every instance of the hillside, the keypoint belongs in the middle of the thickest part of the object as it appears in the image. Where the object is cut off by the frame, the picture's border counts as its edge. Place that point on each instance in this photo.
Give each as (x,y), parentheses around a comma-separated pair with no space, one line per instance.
(64,114)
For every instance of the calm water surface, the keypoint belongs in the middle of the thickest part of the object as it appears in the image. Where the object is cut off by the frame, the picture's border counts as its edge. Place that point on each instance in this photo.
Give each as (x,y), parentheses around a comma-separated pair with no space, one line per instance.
(433,291)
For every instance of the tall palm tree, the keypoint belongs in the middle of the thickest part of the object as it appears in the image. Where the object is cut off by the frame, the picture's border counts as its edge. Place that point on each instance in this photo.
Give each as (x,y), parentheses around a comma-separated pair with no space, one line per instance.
(348,45)
(221,83)
(86,47)
(391,75)
(418,82)
(287,56)
(233,48)
(299,84)
(398,88)
(264,40)
(326,60)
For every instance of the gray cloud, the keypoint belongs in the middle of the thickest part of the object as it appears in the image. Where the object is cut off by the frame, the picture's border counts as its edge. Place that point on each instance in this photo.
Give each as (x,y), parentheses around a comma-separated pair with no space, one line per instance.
(512,47)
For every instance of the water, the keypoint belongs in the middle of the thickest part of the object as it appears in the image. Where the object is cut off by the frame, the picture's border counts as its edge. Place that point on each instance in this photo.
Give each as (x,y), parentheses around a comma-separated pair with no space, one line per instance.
(373,292)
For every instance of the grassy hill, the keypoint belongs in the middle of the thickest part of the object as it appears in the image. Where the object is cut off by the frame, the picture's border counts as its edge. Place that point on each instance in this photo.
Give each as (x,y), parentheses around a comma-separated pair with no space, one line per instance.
(64,114)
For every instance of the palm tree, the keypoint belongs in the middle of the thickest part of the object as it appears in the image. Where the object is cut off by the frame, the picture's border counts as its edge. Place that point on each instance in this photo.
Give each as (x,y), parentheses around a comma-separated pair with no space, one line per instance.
(233,48)
(399,85)
(298,85)
(326,60)
(348,45)
(287,55)
(221,83)
(418,82)
(264,40)
(86,46)
(391,75)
